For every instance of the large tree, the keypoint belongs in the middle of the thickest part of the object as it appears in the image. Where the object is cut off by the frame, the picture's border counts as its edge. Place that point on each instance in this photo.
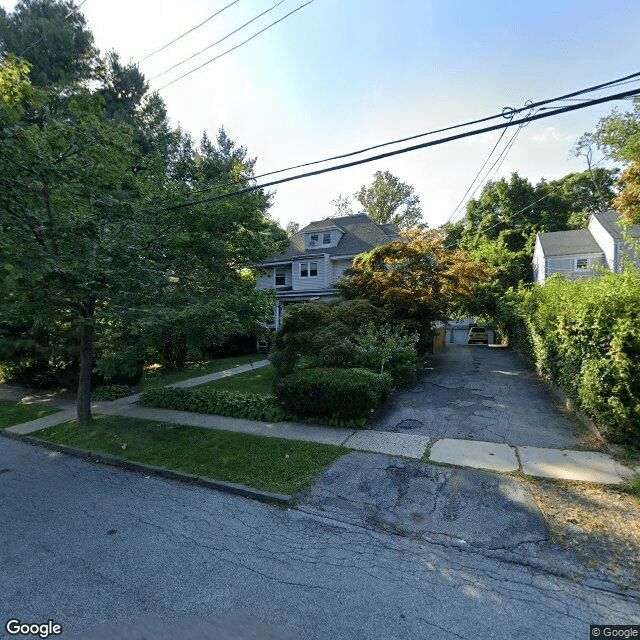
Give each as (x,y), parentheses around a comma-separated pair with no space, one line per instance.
(415,281)
(618,134)
(51,35)
(91,240)
(388,200)
(627,203)
(500,227)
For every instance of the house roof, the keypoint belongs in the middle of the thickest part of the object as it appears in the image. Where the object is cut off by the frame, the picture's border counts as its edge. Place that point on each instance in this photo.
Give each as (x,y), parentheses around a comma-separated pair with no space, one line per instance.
(359,234)
(568,243)
(609,220)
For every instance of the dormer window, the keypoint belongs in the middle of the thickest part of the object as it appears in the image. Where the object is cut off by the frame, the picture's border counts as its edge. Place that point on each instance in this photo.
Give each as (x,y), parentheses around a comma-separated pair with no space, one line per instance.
(326,238)
(313,240)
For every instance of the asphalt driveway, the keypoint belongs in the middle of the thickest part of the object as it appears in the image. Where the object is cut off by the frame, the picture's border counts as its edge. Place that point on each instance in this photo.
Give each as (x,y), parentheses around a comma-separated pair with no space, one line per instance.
(480,393)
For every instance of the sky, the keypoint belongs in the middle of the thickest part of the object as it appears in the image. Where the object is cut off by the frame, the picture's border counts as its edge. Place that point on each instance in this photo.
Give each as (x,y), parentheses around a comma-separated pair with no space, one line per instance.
(341,75)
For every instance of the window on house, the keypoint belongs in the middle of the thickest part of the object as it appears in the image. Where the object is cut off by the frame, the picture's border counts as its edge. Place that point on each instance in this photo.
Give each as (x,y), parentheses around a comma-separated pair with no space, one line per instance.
(280,277)
(326,238)
(582,263)
(313,239)
(308,269)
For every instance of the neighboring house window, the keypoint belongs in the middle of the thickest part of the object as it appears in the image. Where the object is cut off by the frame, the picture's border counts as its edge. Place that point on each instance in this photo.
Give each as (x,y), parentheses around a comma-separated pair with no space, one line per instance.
(308,269)
(582,263)
(326,238)
(280,277)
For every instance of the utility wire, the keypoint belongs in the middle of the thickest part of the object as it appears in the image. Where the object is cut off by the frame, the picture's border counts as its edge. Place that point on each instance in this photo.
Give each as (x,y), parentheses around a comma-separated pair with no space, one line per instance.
(431,143)
(186,33)
(255,35)
(506,112)
(179,64)
(498,161)
(484,164)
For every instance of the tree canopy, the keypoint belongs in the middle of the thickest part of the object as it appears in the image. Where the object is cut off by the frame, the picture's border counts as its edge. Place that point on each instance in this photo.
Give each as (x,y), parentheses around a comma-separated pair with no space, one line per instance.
(627,202)
(388,200)
(500,227)
(89,242)
(415,281)
(52,35)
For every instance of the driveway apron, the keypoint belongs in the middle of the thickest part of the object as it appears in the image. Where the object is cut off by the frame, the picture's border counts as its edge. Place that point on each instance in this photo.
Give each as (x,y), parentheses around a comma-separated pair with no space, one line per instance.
(480,393)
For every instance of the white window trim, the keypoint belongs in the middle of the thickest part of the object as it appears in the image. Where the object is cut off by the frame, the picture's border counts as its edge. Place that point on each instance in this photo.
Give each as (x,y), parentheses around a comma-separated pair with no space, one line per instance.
(275,277)
(308,269)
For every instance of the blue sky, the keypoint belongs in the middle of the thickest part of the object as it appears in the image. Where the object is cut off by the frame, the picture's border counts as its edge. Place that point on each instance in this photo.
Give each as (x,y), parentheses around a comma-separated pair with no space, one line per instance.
(340,75)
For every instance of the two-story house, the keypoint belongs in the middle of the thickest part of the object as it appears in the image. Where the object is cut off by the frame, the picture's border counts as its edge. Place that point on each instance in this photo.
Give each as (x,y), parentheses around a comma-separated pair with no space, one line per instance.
(576,253)
(317,256)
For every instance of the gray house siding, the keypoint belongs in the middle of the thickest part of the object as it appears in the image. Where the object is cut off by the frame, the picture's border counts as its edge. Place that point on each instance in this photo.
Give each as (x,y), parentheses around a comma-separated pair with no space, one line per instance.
(318,255)
(309,282)
(268,280)
(608,244)
(577,253)
(338,268)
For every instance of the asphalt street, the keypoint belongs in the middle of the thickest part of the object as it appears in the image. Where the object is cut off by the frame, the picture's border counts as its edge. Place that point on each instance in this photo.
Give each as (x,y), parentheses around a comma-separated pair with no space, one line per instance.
(107,553)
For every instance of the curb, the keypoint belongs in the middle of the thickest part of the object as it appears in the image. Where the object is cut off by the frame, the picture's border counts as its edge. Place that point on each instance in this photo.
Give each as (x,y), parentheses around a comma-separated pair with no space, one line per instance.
(170,474)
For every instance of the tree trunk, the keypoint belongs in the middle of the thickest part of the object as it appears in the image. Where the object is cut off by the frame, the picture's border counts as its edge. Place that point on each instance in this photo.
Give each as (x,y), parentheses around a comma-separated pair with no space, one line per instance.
(86,366)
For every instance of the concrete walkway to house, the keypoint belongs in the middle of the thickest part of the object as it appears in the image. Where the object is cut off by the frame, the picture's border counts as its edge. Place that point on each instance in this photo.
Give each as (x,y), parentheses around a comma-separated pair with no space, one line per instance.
(561,463)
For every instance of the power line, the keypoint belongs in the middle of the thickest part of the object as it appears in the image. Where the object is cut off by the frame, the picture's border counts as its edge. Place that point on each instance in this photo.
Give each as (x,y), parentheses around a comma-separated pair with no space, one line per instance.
(484,164)
(179,64)
(186,33)
(424,145)
(255,35)
(506,112)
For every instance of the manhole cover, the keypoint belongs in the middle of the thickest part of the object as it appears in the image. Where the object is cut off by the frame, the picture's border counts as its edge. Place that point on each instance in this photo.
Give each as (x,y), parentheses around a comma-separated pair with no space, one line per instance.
(410,424)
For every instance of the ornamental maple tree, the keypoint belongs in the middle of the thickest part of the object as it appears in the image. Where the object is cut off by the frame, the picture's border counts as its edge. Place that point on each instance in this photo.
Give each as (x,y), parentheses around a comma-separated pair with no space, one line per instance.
(416,281)
(627,203)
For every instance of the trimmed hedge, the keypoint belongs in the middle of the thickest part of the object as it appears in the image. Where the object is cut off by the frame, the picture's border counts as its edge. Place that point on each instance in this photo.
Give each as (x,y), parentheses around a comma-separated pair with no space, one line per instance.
(585,335)
(219,402)
(111,392)
(339,394)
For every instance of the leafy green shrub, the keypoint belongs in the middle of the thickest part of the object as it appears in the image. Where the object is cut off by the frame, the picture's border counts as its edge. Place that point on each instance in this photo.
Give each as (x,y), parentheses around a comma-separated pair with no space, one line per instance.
(315,334)
(220,402)
(339,394)
(111,392)
(347,335)
(385,349)
(585,334)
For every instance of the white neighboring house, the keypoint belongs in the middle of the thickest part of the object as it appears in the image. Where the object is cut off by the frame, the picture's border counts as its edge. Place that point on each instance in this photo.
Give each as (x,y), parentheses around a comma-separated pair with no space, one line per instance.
(574,254)
(316,258)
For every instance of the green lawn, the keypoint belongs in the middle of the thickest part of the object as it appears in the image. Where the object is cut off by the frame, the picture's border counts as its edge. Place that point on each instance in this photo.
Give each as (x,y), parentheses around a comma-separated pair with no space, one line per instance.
(16,413)
(160,377)
(258,381)
(270,464)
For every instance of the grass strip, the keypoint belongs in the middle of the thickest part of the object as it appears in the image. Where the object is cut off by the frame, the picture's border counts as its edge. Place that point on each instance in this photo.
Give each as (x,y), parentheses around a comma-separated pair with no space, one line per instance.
(12,413)
(259,381)
(269,464)
(159,377)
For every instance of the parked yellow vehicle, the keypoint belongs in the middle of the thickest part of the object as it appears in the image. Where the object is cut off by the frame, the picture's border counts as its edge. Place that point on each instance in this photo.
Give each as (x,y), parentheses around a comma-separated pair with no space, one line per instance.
(478,334)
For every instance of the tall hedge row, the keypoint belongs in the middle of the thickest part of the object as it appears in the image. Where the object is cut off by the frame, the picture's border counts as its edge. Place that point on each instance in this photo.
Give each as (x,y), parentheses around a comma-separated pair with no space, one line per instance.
(585,334)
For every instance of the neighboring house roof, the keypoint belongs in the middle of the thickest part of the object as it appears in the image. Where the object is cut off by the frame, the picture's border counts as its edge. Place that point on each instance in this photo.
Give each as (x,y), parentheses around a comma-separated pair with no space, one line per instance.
(568,243)
(360,234)
(609,220)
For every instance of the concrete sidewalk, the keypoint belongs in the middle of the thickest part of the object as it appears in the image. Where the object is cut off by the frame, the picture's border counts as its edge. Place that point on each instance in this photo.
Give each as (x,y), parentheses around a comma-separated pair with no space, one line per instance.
(564,464)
